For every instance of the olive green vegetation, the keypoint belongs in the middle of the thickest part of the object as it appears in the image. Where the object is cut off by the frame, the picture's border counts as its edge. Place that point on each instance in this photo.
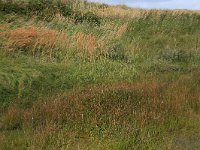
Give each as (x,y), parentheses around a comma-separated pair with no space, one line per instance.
(135,85)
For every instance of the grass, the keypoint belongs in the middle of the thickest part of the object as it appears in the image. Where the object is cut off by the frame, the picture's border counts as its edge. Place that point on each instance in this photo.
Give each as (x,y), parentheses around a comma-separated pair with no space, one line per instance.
(130,82)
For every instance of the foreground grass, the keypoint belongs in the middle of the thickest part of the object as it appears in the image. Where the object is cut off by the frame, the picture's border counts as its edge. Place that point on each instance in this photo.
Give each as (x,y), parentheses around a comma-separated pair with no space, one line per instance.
(126,84)
(143,115)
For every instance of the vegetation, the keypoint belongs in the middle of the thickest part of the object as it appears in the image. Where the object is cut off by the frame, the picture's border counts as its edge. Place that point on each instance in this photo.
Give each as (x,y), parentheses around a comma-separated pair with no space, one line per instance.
(78,75)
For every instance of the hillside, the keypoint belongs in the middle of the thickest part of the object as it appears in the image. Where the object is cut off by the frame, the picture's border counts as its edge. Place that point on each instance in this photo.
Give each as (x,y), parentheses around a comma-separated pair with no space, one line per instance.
(78,75)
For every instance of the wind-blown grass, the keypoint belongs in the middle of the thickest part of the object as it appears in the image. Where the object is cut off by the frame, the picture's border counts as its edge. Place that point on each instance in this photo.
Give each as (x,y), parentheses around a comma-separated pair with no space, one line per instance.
(130,81)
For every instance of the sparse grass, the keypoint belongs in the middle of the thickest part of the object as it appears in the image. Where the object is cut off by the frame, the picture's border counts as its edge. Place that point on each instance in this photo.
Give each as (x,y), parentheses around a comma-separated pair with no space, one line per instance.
(68,81)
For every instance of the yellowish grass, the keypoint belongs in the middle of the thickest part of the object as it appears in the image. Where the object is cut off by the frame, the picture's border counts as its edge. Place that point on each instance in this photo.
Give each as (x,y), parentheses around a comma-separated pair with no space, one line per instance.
(4,26)
(121,30)
(123,11)
(118,11)
(86,44)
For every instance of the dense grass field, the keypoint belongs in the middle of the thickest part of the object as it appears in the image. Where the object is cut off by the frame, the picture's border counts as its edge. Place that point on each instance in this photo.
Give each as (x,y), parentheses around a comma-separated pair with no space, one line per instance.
(77,75)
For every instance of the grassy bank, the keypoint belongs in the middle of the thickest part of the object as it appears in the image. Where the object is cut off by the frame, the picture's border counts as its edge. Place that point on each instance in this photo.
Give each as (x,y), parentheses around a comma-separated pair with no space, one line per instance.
(111,77)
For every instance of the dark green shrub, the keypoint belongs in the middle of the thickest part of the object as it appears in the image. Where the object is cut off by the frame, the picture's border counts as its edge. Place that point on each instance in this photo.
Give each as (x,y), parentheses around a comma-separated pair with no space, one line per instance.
(10,6)
(66,11)
(92,19)
(89,17)
(117,52)
(44,9)
(78,17)
(36,6)
(176,55)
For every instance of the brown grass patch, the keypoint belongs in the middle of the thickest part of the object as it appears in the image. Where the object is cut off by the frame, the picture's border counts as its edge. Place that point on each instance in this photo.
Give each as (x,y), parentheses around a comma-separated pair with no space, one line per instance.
(47,42)
(35,39)
(86,44)
(12,119)
(2,34)
(143,101)
(21,38)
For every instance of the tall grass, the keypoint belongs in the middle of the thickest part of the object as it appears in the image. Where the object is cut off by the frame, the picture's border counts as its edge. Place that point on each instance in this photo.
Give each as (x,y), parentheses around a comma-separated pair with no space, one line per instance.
(44,42)
(78,75)
(99,112)
(34,39)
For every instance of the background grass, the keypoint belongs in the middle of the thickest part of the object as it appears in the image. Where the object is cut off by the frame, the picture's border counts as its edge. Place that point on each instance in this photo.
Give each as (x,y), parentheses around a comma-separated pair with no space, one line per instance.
(92,76)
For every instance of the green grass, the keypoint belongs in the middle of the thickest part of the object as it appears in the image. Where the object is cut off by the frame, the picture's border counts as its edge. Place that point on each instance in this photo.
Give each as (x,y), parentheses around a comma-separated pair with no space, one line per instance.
(140,90)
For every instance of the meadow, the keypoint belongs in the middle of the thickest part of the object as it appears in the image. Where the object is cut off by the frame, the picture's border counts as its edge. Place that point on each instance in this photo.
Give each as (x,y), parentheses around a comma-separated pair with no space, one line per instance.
(78,75)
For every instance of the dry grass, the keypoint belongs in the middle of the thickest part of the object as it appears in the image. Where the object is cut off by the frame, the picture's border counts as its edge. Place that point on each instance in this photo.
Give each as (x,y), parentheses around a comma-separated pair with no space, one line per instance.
(2,34)
(121,30)
(44,132)
(118,11)
(122,11)
(21,38)
(4,27)
(115,110)
(2,139)
(12,119)
(148,101)
(86,44)
(36,39)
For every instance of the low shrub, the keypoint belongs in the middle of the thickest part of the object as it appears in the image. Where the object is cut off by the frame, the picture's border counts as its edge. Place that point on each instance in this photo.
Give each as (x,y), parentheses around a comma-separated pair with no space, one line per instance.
(176,55)
(89,17)
(92,19)
(78,17)
(117,52)
(46,10)
(43,9)
(66,11)
(13,7)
